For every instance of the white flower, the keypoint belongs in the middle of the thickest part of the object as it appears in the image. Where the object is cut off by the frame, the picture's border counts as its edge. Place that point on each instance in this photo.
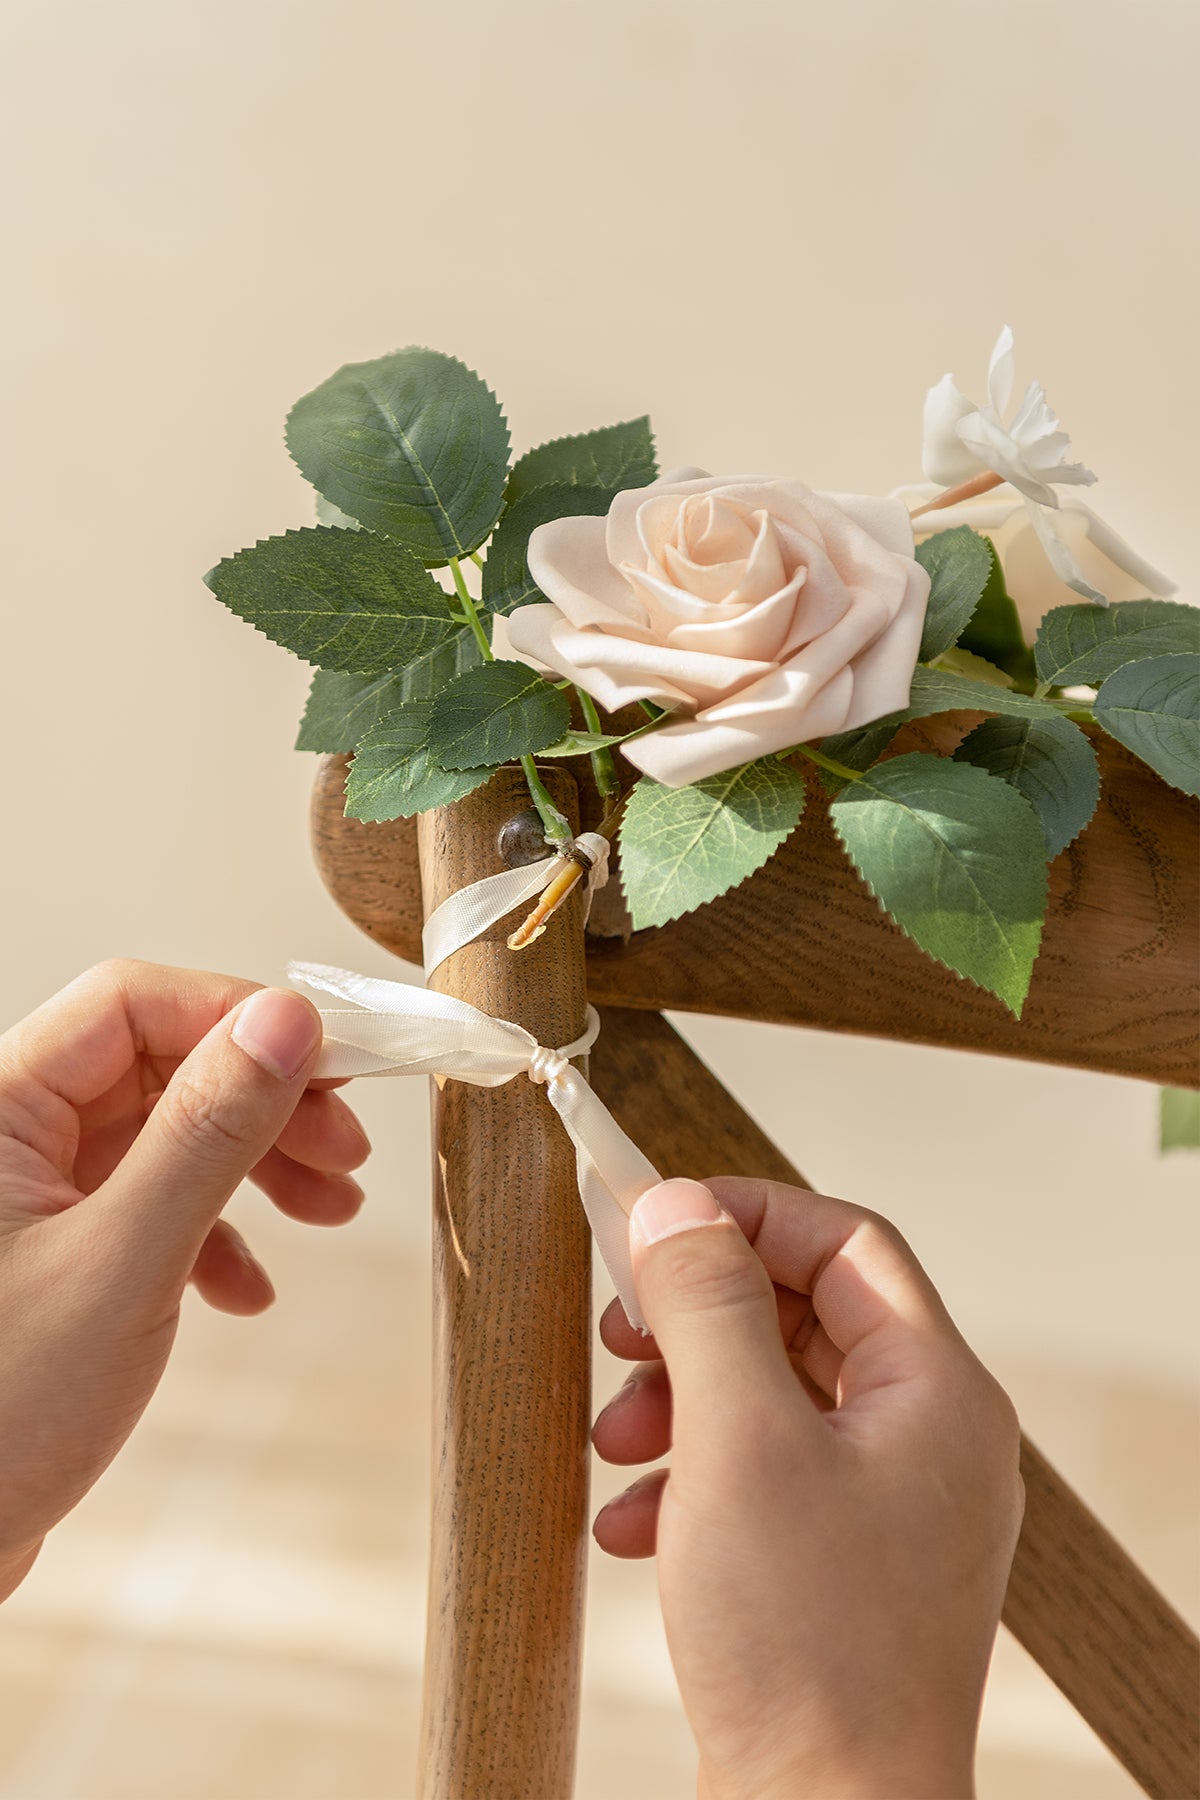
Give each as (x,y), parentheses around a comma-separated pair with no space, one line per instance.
(1031,571)
(964,442)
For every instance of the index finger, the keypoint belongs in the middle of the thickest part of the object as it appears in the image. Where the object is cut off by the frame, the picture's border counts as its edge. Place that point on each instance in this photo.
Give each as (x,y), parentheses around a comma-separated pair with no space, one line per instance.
(866,1285)
(81,1042)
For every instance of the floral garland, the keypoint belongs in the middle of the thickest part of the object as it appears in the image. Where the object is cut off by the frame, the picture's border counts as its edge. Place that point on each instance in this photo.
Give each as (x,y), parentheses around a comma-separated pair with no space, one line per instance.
(701,639)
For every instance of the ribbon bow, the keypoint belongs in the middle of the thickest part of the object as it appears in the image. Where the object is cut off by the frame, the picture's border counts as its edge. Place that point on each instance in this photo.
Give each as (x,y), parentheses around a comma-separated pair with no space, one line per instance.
(395,1029)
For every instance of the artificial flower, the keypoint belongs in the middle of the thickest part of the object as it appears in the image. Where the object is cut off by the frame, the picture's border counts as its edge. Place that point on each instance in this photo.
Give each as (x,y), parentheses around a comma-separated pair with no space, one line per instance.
(759,613)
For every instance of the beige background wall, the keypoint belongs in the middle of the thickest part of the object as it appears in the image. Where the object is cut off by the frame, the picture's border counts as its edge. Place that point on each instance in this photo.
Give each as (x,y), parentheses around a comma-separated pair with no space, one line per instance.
(772,226)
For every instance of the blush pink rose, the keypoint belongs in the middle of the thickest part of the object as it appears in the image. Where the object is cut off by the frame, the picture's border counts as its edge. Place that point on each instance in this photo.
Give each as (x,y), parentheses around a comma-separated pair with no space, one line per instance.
(759,613)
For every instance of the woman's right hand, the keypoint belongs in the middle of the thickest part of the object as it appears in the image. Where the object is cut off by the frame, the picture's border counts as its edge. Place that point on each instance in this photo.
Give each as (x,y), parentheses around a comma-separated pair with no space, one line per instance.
(836,1530)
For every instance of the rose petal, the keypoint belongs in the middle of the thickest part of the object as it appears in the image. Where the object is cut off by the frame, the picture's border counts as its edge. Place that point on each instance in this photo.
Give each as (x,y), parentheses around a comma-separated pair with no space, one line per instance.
(568,560)
(618,670)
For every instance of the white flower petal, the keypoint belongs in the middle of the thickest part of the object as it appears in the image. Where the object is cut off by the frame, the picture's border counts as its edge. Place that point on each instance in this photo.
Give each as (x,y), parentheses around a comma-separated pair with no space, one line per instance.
(1001,372)
(944,457)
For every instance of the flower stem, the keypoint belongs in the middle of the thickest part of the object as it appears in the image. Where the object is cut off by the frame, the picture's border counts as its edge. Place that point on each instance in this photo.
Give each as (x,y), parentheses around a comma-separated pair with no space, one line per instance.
(826,762)
(608,782)
(557,827)
(471,610)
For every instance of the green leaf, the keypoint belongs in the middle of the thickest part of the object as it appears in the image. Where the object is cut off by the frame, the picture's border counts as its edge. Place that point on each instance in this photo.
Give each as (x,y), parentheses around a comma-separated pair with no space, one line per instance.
(958,563)
(939,690)
(958,860)
(858,749)
(427,675)
(994,629)
(1153,708)
(393,775)
(681,847)
(340,599)
(329,514)
(1049,761)
(1078,644)
(494,714)
(413,445)
(506,579)
(613,457)
(582,743)
(933,691)
(965,662)
(343,708)
(1178,1119)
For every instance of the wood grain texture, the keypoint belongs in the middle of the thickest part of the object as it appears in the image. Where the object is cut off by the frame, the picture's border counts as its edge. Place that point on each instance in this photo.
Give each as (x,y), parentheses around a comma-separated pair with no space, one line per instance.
(512,1345)
(1119,1652)
(803,943)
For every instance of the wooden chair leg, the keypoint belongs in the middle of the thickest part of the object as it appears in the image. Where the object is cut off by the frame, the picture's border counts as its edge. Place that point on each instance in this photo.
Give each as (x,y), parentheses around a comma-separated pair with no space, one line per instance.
(512,1342)
(1081,1607)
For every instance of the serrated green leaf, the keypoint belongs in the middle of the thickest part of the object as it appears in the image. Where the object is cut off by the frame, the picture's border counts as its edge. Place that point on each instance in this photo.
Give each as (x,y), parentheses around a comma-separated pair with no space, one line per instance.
(1178,1119)
(342,709)
(933,691)
(393,775)
(329,514)
(427,675)
(958,861)
(976,668)
(958,563)
(858,749)
(1153,708)
(340,599)
(939,690)
(413,445)
(581,743)
(613,457)
(494,714)
(1085,644)
(681,847)
(507,582)
(994,628)
(1049,761)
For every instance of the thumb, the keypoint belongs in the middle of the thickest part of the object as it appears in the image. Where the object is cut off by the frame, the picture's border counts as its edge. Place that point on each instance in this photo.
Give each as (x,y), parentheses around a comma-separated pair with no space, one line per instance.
(220,1113)
(707,1298)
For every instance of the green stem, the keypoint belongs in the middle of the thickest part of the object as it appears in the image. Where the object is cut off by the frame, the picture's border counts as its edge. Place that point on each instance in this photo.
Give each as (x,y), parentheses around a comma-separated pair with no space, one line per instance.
(825,762)
(471,610)
(558,828)
(608,782)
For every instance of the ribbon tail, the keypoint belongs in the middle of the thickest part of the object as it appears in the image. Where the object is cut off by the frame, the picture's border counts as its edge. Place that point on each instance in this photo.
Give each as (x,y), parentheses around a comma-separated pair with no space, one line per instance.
(613,1174)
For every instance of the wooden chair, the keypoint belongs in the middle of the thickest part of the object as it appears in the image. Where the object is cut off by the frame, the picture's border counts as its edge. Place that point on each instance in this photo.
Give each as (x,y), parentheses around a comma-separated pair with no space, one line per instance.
(800,943)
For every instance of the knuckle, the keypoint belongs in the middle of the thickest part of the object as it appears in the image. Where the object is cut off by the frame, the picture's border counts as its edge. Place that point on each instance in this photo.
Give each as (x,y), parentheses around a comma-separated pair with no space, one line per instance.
(876,1230)
(207,1122)
(718,1280)
(113,971)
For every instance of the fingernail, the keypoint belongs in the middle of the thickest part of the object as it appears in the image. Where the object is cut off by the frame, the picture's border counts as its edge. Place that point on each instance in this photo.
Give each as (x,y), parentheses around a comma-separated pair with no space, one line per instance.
(278,1030)
(670,1207)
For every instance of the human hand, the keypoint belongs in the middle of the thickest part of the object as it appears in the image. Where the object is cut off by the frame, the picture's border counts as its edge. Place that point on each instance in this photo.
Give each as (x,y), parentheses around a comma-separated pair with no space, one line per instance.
(131,1106)
(836,1531)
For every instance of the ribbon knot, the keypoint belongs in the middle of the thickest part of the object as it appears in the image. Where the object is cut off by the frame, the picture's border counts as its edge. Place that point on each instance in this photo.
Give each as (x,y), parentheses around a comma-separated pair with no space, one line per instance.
(396,1029)
(546,1066)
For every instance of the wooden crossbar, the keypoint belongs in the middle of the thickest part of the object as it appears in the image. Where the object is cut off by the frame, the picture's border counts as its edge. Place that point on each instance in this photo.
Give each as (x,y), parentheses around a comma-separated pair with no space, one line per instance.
(1082,1608)
(803,943)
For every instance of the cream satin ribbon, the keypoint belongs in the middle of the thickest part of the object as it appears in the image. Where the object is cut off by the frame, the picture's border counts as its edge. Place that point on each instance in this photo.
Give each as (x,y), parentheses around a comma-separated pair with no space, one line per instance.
(473,910)
(396,1029)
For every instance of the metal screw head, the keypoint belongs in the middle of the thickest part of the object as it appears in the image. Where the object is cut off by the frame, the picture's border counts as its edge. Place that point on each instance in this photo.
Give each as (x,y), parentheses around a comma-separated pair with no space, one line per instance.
(522,839)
